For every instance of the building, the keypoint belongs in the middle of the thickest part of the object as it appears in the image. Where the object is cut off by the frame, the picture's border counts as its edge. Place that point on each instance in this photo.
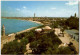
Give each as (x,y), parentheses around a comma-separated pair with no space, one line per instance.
(34,14)
(47,28)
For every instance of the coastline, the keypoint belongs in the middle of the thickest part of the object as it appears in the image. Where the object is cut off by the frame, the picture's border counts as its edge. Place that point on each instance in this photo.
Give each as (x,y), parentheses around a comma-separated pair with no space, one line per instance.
(11,36)
(28,20)
(30,28)
(36,22)
(26,30)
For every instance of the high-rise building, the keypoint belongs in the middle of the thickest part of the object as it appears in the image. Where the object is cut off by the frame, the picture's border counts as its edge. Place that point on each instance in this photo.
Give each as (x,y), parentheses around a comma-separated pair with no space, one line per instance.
(34,14)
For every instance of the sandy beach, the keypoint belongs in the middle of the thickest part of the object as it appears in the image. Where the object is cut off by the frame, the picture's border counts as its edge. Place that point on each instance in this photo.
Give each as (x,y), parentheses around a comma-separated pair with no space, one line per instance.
(26,30)
(36,22)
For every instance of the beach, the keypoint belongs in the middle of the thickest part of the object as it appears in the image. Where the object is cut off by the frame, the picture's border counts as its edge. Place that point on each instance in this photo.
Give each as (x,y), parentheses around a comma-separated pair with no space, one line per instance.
(37,22)
(26,30)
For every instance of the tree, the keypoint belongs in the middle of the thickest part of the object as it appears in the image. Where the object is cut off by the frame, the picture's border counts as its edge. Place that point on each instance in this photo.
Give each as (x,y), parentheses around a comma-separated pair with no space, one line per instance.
(65,50)
(73,23)
(15,47)
(33,46)
(46,43)
(24,41)
(62,29)
(75,14)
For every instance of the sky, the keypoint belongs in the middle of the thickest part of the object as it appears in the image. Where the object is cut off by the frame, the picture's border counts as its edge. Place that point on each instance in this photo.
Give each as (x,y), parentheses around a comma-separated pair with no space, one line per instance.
(40,8)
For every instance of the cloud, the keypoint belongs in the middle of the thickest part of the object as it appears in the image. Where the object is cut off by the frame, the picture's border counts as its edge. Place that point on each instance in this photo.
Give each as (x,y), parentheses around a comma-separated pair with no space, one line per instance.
(24,7)
(22,12)
(53,8)
(72,3)
(17,9)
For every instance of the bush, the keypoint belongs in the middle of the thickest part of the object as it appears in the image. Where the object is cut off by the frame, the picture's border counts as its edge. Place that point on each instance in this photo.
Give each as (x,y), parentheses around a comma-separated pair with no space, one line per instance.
(46,43)
(15,47)
(65,50)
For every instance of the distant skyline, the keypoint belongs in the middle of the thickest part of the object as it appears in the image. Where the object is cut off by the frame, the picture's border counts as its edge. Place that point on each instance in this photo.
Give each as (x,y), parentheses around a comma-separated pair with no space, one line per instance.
(40,8)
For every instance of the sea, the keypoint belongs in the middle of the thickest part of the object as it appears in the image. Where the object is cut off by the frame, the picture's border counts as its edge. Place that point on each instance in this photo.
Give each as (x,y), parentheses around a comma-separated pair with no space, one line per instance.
(14,25)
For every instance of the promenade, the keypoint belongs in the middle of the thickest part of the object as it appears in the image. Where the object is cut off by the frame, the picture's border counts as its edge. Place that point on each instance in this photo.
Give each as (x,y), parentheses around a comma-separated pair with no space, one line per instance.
(67,39)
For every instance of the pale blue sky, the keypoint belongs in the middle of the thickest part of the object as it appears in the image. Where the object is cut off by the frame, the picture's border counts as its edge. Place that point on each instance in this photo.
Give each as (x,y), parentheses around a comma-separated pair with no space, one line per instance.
(40,8)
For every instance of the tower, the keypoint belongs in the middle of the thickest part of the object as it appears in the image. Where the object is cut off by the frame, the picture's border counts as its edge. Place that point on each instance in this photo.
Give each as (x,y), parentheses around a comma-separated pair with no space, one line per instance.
(34,14)
(3,30)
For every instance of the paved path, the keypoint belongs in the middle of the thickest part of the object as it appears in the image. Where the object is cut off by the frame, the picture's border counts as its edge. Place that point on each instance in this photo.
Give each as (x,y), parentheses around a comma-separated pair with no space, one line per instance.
(28,49)
(67,39)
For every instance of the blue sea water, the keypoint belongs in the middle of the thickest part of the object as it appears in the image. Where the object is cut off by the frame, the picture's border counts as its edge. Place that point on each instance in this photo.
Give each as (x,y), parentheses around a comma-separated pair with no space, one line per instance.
(14,25)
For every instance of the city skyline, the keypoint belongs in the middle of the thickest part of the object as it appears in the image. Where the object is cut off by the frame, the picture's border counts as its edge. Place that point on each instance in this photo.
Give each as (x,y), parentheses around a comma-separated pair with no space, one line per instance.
(40,8)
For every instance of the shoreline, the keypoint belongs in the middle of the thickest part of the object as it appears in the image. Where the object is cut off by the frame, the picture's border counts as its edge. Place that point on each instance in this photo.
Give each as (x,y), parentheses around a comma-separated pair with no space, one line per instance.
(28,20)
(26,30)
(36,22)
(10,37)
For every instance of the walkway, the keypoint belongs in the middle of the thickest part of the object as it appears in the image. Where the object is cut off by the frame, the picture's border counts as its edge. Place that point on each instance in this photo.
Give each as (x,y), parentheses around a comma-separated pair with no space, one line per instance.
(66,39)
